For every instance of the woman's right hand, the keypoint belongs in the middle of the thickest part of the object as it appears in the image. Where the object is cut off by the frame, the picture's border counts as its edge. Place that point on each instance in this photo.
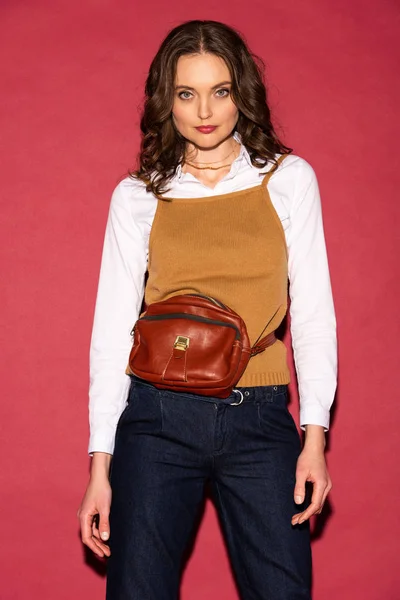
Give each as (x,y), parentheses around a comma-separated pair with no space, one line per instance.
(96,501)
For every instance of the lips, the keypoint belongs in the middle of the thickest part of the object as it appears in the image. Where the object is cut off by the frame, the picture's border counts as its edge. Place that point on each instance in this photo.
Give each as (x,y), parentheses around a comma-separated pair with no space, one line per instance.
(206,128)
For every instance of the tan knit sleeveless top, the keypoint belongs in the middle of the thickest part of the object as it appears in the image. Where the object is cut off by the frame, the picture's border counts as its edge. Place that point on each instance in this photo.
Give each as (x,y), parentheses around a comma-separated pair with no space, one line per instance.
(231,247)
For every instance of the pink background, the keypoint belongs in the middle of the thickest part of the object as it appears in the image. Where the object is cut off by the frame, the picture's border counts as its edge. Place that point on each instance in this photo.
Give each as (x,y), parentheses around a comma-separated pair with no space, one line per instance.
(72,77)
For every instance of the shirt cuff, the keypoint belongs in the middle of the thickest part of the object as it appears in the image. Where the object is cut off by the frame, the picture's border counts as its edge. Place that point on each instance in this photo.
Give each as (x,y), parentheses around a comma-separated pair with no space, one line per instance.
(314,415)
(101,443)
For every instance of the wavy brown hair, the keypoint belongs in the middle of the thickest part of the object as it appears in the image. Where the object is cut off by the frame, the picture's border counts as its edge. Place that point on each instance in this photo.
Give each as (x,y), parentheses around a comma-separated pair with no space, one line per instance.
(162,147)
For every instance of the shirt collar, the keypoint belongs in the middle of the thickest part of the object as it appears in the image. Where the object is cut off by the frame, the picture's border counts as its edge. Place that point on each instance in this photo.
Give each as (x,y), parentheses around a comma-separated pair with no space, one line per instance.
(237,163)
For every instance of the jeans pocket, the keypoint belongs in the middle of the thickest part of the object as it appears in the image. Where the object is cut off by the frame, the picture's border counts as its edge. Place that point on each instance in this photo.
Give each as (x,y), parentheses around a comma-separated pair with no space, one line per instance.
(276,420)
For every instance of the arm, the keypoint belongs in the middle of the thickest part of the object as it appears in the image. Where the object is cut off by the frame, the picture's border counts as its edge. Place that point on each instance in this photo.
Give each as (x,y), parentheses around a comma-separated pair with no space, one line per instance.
(313,321)
(313,329)
(118,303)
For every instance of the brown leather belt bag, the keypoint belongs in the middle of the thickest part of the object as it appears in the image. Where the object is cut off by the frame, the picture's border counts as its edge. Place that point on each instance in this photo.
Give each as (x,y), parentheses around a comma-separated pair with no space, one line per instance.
(193,343)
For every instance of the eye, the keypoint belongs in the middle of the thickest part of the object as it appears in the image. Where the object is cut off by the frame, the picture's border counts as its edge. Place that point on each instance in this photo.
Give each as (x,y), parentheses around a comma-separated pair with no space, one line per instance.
(186,96)
(223,92)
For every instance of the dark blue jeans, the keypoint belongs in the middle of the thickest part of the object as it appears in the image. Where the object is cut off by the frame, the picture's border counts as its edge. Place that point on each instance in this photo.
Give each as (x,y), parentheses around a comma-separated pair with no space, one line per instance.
(167,446)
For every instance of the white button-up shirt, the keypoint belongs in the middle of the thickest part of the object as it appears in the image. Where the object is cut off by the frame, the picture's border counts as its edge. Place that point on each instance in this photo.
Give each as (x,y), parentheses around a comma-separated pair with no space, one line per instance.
(294,193)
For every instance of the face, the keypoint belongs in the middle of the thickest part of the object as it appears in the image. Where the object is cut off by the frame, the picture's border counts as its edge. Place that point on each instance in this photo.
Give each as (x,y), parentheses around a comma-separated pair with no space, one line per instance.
(202,100)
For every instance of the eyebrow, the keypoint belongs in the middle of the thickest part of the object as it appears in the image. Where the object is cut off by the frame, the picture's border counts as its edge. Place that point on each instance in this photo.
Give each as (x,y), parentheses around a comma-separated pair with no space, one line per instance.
(214,87)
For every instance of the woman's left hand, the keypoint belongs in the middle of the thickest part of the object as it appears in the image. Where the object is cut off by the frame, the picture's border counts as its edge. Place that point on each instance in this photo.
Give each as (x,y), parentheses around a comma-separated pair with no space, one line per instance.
(311,466)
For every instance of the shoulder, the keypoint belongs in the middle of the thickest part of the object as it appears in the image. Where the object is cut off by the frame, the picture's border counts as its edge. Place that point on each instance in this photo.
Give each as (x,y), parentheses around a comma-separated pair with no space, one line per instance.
(295,167)
(292,180)
(130,194)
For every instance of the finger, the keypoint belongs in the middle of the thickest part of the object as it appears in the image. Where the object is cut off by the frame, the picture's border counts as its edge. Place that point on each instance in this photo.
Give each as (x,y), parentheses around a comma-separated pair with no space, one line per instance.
(309,512)
(95,531)
(302,516)
(296,517)
(86,534)
(300,488)
(326,492)
(104,524)
(86,521)
(94,547)
(316,502)
(102,546)
(319,488)
(97,538)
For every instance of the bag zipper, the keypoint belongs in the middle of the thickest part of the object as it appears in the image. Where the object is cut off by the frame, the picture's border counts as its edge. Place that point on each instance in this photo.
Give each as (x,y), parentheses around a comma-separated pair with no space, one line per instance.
(217,302)
(192,318)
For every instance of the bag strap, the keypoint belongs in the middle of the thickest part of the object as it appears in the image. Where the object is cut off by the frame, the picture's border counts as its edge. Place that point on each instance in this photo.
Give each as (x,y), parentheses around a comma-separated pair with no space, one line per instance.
(268,340)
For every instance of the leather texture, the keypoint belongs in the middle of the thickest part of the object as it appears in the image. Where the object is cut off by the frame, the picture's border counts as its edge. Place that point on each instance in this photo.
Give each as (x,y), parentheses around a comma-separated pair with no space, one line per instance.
(192,343)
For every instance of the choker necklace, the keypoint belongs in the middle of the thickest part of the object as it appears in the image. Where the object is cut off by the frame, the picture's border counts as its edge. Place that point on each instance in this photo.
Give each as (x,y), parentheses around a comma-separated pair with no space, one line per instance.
(210,168)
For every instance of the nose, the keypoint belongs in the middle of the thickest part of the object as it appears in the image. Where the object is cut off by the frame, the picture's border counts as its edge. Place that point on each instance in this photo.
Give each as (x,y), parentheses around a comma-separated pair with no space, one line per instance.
(204,108)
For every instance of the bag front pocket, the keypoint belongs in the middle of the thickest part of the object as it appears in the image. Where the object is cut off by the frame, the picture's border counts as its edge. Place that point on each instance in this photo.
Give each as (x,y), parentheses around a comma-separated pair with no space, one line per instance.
(184,347)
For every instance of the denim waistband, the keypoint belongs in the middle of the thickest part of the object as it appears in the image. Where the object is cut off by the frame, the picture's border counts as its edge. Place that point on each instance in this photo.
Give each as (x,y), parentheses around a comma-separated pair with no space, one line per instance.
(247,394)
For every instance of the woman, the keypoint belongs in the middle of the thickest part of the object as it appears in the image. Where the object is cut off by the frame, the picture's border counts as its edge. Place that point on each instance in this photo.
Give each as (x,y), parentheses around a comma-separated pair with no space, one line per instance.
(220,207)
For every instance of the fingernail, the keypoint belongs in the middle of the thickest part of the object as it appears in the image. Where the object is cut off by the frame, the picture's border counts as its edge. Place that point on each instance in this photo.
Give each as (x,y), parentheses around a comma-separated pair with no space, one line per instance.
(104,535)
(299,499)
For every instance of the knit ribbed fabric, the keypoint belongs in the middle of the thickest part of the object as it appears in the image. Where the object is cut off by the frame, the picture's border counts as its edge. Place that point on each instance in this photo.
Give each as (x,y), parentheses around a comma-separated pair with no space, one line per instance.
(231,247)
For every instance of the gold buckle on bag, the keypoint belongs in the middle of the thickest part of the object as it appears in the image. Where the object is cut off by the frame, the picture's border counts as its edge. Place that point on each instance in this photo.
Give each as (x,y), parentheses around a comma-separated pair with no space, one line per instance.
(181,343)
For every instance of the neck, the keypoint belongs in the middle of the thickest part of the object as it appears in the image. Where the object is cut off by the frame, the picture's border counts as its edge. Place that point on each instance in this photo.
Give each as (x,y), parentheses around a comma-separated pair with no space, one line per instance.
(226,151)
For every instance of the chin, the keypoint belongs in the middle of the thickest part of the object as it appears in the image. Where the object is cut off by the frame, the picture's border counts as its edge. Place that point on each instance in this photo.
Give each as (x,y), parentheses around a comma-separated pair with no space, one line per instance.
(209,140)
